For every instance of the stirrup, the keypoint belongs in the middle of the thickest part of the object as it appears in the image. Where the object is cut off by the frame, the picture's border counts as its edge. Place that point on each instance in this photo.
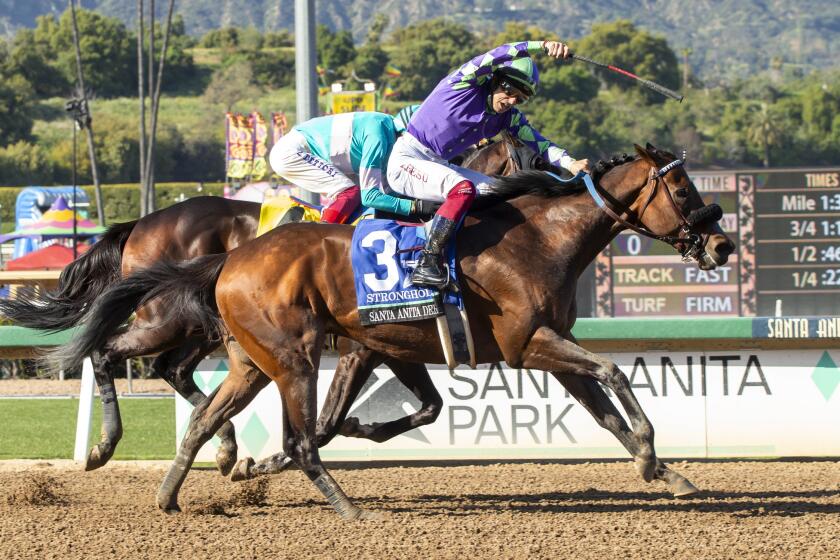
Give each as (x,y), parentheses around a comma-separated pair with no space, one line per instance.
(428,283)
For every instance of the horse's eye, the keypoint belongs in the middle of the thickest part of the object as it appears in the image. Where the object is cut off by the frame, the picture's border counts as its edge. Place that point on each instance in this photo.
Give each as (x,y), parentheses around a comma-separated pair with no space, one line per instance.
(682,192)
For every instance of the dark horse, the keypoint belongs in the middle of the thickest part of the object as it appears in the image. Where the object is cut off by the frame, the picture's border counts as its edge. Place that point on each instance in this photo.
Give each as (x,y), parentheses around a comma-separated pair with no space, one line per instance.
(519,262)
(196,227)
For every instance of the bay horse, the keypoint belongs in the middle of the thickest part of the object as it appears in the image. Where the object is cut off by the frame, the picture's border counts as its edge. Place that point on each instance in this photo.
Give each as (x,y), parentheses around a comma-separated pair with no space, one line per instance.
(192,228)
(519,260)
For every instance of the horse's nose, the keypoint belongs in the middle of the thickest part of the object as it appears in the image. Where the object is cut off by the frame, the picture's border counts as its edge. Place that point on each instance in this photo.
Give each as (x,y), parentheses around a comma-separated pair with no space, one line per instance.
(726,248)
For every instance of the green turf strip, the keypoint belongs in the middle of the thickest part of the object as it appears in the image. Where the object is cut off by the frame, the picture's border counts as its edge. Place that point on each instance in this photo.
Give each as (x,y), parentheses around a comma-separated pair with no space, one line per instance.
(46,428)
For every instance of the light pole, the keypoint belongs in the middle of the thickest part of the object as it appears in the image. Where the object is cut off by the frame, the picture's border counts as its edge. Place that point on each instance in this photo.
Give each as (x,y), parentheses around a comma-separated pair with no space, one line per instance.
(78,111)
(305,85)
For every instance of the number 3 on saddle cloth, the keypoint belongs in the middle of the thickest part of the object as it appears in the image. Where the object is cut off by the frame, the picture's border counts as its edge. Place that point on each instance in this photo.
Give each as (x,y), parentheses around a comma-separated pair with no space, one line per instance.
(383,254)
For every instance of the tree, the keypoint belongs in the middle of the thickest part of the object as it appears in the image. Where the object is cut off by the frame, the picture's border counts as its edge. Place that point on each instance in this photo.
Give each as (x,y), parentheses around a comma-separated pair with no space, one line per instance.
(274,70)
(764,131)
(370,62)
(567,124)
(23,163)
(231,84)
(180,66)
(427,52)
(30,57)
(15,103)
(107,53)
(371,59)
(377,28)
(280,38)
(225,38)
(622,44)
(335,50)
(567,83)
(820,105)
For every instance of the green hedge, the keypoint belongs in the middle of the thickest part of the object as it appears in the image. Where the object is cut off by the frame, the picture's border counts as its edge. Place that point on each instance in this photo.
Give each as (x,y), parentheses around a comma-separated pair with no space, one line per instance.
(122,201)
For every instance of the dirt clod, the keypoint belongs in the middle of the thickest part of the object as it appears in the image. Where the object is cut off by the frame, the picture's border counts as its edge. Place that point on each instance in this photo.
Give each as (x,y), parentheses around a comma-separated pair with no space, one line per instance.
(36,489)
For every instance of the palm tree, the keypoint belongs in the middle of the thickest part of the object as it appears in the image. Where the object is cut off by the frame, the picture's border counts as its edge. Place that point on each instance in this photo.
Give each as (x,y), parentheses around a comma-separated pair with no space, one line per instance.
(763,131)
(148,189)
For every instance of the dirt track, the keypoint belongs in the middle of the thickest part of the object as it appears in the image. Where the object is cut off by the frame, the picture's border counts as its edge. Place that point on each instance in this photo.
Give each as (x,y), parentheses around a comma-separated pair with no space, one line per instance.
(598,510)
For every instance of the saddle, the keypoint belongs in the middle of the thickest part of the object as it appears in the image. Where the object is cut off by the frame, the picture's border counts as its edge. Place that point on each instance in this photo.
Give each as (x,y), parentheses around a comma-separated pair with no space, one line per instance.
(447,309)
(383,254)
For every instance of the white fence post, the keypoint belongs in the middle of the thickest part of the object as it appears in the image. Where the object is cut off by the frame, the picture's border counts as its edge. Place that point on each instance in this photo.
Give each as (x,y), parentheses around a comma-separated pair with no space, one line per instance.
(85,412)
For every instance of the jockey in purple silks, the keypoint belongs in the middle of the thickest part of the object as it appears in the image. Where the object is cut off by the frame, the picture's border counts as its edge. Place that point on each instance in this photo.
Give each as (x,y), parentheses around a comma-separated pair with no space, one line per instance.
(475,102)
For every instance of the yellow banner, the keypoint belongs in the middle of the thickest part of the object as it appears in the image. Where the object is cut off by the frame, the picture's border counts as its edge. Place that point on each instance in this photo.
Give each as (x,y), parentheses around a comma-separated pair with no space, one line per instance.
(351,101)
(260,170)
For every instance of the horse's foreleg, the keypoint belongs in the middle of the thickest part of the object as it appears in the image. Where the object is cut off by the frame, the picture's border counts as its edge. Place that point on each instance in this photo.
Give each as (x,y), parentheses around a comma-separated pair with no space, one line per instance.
(593,398)
(416,378)
(176,367)
(239,388)
(548,351)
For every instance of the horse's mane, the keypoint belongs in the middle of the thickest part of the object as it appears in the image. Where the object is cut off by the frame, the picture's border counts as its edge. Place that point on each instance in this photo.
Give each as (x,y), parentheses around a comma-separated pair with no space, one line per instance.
(540,183)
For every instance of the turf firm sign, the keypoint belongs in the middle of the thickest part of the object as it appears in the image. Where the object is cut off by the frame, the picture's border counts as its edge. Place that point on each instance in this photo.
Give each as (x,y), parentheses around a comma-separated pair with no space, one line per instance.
(702,404)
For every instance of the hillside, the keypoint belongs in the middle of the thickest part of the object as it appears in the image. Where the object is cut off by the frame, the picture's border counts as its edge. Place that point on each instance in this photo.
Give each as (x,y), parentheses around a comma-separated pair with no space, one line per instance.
(723,38)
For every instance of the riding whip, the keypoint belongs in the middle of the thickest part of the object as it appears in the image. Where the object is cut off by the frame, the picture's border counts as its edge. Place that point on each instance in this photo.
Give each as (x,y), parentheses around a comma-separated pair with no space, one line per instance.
(662,90)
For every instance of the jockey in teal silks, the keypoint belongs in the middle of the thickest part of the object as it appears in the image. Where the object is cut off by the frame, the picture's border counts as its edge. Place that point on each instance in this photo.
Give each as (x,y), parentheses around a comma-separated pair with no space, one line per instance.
(475,102)
(343,157)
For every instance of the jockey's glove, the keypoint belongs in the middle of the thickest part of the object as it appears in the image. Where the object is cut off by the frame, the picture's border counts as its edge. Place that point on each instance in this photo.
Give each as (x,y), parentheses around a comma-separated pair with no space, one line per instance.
(424,208)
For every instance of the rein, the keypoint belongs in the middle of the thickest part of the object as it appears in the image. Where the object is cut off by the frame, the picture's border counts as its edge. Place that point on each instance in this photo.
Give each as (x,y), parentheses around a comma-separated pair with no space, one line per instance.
(688,244)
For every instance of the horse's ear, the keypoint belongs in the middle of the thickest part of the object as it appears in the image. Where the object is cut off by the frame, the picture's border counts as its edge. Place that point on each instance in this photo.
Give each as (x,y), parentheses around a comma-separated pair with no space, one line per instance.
(645,154)
(651,148)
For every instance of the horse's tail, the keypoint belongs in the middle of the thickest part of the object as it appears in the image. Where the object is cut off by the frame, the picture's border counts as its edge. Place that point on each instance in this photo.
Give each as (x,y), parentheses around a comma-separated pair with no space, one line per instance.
(186,291)
(79,284)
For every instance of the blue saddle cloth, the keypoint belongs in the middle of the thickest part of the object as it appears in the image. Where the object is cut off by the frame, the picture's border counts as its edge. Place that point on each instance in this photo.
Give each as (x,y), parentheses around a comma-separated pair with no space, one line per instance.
(383,254)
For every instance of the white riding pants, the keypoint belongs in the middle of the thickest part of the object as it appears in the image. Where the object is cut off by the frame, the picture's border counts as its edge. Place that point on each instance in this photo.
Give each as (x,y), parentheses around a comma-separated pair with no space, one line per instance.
(292,159)
(417,172)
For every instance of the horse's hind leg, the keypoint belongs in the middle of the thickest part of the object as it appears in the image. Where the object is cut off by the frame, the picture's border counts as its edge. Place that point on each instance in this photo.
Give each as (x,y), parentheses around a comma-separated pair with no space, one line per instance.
(548,351)
(297,389)
(176,367)
(239,388)
(139,339)
(353,370)
(111,430)
(593,398)
(416,378)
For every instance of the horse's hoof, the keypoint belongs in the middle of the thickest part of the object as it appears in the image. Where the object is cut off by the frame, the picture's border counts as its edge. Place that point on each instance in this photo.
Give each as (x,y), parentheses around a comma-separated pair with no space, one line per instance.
(678,485)
(225,459)
(646,468)
(354,513)
(242,471)
(683,489)
(170,507)
(96,459)
(366,515)
(350,427)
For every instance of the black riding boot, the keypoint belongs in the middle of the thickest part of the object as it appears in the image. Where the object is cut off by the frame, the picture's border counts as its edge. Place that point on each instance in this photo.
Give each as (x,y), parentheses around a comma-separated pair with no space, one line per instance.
(430,270)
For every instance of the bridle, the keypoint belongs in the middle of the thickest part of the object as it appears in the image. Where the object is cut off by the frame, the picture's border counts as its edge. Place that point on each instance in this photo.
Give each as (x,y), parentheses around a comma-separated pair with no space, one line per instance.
(689,244)
(520,156)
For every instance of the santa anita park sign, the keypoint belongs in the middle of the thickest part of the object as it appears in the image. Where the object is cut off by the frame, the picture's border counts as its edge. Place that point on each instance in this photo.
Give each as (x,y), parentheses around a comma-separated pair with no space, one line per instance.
(722,403)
